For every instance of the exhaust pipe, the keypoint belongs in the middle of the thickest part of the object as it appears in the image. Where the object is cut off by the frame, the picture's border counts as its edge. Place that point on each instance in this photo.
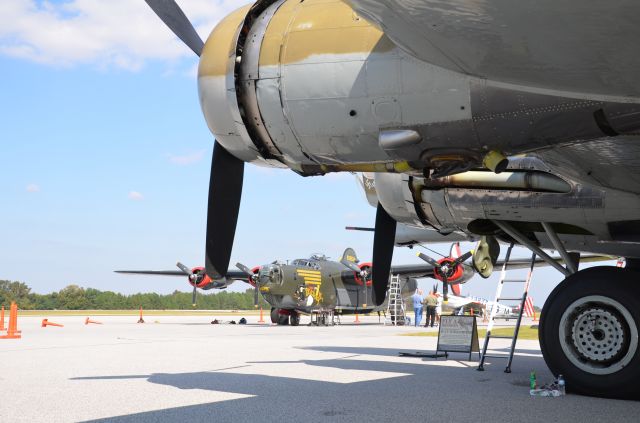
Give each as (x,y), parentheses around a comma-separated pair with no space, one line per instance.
(517,181)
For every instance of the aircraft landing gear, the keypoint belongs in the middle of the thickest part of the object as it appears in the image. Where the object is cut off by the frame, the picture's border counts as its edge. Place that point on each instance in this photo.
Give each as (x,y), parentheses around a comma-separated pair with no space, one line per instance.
(282,317)
(589,332)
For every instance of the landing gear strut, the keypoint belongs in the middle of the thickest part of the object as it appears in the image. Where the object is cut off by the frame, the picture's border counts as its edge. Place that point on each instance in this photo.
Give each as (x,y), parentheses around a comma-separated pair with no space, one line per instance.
(589,332)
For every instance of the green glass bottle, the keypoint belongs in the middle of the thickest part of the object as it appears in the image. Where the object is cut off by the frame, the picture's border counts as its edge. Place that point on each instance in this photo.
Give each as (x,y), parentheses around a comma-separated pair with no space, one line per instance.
(532,380)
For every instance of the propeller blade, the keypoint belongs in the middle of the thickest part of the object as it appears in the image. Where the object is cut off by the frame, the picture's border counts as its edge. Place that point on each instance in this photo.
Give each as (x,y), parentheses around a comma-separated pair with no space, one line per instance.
(184,268)
(455,250)
(193,296)
(429,260)
(462,258)
(173,17)
(255,296)
(225,191)
(445,289)
(244,268)
(383,243)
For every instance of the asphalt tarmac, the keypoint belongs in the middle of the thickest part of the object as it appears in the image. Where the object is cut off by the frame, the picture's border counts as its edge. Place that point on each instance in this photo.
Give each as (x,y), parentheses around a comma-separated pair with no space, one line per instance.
(181,368)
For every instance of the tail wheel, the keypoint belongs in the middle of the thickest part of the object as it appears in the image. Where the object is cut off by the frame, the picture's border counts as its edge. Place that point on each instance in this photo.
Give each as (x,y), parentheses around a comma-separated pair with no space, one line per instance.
(589,332)
(294,319)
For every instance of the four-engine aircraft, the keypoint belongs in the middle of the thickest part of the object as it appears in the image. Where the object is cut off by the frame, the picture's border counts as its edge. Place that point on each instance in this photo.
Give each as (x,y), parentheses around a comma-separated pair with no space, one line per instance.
(512,120)
(319,284)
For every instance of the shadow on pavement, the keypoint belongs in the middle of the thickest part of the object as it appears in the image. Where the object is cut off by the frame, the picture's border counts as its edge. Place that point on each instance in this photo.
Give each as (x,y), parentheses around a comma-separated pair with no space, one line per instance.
(420,390)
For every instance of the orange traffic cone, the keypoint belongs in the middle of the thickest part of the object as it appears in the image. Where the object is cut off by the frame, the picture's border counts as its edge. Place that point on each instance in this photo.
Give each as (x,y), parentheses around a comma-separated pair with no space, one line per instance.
(140,320)
(2,319)
(88,320)
(46,322)
(261,316)
(12,331)
(357,320)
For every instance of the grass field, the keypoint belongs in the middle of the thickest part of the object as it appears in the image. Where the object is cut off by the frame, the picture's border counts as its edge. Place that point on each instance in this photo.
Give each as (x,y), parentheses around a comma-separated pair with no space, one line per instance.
(526,332)
(145,312)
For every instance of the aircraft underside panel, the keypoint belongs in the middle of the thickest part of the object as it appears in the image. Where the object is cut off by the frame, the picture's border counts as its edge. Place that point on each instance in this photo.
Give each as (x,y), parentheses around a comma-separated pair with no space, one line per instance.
(315,87)
(573,45)
(587,218)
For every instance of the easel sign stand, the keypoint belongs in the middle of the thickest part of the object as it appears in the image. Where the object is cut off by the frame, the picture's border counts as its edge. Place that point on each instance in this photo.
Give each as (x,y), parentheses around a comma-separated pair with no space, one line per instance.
(455,334)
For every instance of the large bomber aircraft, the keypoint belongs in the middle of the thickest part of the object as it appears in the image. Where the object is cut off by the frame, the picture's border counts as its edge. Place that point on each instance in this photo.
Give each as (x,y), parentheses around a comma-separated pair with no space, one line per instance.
(317,284)
(514,120)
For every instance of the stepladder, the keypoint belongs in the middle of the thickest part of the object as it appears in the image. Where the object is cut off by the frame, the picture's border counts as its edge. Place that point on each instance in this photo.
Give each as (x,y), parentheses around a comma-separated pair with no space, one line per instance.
(396,313)
(495,312)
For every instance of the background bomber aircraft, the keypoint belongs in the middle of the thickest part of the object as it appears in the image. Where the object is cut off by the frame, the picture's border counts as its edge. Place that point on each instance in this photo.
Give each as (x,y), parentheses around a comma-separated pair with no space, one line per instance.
(319,284)
(510,120)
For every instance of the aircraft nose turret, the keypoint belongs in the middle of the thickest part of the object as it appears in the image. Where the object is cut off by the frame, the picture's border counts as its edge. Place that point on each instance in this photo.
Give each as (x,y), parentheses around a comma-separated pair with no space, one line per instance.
(269,276)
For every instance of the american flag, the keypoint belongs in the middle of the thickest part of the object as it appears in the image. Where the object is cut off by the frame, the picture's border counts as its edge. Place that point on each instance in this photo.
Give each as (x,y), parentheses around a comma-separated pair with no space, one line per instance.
(528,307)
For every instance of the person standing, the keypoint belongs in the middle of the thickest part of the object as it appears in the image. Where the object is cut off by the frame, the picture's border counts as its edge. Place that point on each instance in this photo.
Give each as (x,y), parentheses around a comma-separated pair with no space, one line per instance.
(417,307)
(431,301)
(438,308)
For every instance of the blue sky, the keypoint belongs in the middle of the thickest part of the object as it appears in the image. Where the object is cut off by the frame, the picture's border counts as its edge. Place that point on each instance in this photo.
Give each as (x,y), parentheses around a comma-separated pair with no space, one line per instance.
(105,155)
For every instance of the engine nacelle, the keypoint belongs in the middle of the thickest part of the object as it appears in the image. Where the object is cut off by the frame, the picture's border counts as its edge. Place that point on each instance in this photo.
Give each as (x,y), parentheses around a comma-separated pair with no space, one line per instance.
(312,86)
(309,86)
(204,282)
(364,275)
(255,271)
(457,274)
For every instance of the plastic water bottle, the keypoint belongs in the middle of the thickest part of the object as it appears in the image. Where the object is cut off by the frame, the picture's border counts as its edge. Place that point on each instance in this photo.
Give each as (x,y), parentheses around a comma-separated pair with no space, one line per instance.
(561,385)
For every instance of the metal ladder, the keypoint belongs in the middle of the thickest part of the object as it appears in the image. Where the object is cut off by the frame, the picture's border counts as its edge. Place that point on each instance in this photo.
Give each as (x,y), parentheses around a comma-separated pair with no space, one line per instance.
(494,310)
(395,314)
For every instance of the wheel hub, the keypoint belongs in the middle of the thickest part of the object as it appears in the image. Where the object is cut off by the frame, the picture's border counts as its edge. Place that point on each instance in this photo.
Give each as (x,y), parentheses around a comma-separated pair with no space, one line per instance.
(598,334)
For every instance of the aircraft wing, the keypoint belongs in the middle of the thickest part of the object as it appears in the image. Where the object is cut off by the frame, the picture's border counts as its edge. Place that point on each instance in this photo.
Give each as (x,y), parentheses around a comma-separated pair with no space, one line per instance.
(422,270)
(425,270)
(567,45)
(232,274)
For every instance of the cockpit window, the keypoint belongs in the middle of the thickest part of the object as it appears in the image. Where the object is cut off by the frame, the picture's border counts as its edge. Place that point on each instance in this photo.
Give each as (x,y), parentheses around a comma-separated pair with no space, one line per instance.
(306,263)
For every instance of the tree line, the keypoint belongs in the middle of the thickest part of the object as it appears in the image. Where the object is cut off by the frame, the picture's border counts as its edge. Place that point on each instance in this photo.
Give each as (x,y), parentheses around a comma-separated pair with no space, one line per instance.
(74,297)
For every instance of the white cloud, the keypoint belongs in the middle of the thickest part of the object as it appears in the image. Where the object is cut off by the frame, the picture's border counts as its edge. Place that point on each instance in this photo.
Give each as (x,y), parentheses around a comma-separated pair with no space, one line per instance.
(187,159)
(33,188)
(135,196)
(120,34)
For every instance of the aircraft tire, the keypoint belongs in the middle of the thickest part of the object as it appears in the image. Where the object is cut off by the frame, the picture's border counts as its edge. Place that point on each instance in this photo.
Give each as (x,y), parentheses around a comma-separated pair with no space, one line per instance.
(283,319)
(274,315)
(294,319)
(589,330)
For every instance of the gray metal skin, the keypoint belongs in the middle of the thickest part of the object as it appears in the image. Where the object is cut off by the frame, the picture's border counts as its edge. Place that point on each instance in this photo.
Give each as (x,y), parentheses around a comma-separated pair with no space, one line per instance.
(407,235)
(456,110)
(326,112)
(573,45)
(589,218)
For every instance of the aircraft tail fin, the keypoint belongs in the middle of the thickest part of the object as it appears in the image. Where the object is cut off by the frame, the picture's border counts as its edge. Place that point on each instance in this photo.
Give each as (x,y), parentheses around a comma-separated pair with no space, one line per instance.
(349,255)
